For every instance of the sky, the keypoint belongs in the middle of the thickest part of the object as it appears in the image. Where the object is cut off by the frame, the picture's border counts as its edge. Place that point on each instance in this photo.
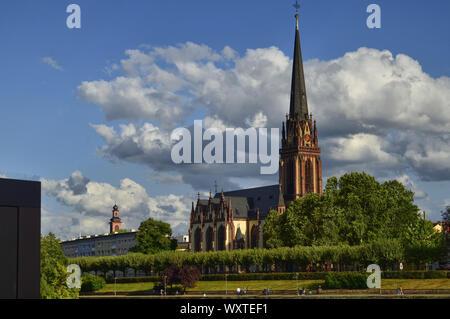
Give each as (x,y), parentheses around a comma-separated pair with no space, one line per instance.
(89,111)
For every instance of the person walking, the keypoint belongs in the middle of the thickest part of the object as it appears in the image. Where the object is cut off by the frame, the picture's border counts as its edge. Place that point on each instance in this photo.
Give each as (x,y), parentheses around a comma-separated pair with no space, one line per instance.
(238,290)
(319,290)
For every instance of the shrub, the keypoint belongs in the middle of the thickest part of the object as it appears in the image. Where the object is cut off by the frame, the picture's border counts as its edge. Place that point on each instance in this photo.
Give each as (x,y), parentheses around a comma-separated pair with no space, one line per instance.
(91,283)
(345,280)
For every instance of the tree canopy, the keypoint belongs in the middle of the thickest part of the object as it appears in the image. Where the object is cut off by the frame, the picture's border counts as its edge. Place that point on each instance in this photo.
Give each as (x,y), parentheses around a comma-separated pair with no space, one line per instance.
(353,210)
(154,236)
(53,270)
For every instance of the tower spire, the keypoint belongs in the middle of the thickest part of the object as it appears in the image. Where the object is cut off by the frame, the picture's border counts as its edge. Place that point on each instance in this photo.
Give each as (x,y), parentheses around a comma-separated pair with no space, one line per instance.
(299,105)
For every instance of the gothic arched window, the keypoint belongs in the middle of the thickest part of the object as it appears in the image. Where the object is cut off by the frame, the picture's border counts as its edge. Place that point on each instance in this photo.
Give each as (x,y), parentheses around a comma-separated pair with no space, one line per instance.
(308,177)
(254,237)
(221,238)
(209,239)
(290,171)
(240,242)
(197,239)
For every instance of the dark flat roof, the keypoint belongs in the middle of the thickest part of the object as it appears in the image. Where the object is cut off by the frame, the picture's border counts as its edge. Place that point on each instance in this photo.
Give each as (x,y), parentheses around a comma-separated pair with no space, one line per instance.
(15,192)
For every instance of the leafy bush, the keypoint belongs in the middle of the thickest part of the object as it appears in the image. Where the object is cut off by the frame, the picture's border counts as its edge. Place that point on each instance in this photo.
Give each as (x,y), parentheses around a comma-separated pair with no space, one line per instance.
(54,273)
(345,280)
(91,283)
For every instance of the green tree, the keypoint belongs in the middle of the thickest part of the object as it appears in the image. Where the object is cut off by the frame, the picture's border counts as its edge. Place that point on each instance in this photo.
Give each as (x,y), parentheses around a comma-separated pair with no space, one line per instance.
(273,230)
(354,210)
(422,243)
(309,221)
(173,244)
(153,236)
(53,270)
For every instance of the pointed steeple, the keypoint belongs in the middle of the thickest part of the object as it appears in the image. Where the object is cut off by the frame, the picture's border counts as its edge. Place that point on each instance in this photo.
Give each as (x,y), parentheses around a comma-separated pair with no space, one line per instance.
(299,105)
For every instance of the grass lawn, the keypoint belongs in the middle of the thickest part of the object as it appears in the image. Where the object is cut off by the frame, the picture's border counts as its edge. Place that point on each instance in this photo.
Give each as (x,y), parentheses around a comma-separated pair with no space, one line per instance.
(281,285)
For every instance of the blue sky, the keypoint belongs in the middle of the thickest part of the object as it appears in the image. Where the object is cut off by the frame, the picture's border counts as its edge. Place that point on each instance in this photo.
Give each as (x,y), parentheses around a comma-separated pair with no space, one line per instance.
(45,124)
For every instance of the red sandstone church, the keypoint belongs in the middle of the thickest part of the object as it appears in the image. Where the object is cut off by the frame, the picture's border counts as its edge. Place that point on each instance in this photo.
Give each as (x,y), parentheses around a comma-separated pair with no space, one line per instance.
(235,220)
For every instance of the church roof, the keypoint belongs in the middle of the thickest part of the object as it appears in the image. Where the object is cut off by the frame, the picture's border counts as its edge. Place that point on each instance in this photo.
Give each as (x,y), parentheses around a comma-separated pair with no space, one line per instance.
(245,202)
(299,104)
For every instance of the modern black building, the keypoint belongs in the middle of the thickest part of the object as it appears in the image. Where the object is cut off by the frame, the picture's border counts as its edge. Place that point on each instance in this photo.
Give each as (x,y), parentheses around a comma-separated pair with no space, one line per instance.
(20,215)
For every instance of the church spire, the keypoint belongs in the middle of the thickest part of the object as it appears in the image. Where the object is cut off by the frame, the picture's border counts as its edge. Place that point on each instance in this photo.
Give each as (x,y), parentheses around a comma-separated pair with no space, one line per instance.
(299,105)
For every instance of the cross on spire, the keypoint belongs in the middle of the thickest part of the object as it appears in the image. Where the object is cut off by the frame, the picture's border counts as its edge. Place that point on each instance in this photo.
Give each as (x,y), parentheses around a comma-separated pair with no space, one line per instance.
(296,6)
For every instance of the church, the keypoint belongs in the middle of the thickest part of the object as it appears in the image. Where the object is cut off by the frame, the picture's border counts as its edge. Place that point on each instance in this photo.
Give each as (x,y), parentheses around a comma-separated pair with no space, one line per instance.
(235,219)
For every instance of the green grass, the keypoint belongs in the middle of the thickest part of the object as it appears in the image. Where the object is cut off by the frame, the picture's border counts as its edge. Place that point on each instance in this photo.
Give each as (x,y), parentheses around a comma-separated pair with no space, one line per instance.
(442,283)
(280,285)
(254,285)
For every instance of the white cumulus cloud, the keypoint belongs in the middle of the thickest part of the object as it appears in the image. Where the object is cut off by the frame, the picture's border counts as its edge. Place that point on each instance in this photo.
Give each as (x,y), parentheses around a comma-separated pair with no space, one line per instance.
(92,207)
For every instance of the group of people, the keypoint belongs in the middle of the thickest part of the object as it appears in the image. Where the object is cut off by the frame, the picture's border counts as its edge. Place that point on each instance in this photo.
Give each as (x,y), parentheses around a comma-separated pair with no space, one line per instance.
(400,291)
(240,291)
(303,292)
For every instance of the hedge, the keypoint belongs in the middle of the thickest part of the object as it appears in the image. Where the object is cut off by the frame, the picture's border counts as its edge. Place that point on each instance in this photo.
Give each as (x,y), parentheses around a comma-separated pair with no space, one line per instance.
(358,256)
(345,280)
(91,283)
(292,276)
(387,253)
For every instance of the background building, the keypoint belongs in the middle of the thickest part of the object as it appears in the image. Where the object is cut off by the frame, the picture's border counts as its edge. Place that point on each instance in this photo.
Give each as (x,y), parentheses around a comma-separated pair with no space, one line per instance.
(182,242)
(114,243)
(100,245)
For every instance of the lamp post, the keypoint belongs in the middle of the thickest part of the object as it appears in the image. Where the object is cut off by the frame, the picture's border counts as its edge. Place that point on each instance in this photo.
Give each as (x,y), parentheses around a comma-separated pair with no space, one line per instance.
(115,282)
(296,277)
(165,284)
(226,284)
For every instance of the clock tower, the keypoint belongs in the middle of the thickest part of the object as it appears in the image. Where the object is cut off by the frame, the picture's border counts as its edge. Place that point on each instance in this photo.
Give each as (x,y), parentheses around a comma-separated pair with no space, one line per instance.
(115,224)
(300,170)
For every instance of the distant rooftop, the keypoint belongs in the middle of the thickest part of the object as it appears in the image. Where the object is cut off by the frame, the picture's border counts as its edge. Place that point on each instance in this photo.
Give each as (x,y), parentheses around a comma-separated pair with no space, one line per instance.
(99,236)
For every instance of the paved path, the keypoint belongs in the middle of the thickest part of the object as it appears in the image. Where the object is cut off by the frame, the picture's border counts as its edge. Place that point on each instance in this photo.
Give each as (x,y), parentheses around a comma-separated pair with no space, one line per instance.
(323,296)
